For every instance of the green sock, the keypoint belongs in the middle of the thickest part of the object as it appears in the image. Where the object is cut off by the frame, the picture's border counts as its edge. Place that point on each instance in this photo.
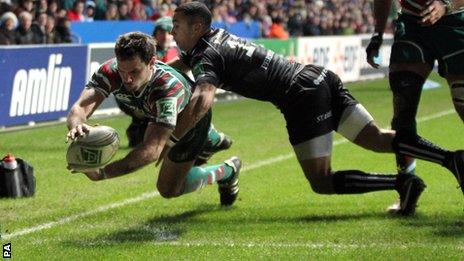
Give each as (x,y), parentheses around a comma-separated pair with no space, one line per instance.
(199,177)
(213,137)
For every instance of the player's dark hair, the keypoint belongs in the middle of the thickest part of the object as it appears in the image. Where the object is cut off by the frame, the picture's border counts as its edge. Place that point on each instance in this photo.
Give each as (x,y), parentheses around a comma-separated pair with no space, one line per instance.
(196,12)
(134,44)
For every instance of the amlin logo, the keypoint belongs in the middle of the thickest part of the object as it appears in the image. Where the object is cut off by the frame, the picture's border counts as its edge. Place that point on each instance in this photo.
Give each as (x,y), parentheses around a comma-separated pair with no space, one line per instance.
(40,90)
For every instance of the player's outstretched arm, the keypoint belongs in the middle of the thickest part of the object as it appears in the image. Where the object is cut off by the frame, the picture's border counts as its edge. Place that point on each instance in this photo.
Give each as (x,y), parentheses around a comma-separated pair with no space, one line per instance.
(179,65)
(81,110)
(201,101)
(145,153)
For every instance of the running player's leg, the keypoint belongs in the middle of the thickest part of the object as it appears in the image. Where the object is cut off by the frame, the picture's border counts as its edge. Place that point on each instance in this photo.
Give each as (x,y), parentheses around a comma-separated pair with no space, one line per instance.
(456,84)
(373,138)
(411,61)
(358,126)
(406,81)
(452,69)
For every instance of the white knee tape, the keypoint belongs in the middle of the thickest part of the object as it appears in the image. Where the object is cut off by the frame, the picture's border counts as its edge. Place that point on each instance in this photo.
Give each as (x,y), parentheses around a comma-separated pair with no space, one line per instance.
(314,148)
(353,120)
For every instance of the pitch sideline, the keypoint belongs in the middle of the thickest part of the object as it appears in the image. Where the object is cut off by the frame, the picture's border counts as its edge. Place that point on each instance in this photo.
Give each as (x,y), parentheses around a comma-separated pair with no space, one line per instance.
(149,195)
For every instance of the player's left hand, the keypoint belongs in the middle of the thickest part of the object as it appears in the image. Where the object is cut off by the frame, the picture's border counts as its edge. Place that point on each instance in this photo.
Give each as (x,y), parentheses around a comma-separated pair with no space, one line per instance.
(434,11)
(92,174)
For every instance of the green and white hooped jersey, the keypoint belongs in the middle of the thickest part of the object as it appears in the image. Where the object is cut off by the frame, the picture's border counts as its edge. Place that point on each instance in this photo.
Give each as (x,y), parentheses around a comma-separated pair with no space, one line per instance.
(164,96)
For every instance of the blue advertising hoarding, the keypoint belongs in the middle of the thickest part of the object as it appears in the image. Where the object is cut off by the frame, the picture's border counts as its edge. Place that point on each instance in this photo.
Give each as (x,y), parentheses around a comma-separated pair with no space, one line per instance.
(40,83)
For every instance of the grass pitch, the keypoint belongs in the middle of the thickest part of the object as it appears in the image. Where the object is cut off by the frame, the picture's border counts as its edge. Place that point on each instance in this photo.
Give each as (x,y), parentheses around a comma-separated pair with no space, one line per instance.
(277,215)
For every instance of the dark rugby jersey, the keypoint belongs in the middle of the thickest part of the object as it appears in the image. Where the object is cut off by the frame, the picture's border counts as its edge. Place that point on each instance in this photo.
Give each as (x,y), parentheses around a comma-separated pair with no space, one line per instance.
(233,64)
(164,96)
(415,7)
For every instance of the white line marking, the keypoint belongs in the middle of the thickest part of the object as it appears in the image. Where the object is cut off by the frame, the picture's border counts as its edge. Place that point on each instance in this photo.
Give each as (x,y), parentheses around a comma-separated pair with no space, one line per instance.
(310,245)
(51,224)
(149,195)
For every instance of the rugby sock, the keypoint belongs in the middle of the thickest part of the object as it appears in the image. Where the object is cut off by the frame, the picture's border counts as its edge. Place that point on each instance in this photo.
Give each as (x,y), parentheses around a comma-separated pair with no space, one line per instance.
(213,136)
(418,147)
(406,87)
(199,177)
(405,164)
(356,182)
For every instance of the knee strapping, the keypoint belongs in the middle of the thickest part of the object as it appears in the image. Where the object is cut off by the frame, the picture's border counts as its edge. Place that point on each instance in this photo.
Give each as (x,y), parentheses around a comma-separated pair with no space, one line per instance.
(457,92)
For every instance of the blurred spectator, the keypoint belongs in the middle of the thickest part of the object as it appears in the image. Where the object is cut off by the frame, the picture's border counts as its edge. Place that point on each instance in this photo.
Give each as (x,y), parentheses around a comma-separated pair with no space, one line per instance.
(24,34)
(277,18)
(277,29)
(138,12)
(165,51)
(112,13)
(67,4)
(312,27)
(42,7)
(296,21)
(38,27)
(89,11)
(100,9)
(52,8)
(25,5)
(124,12)
(50,33)
(76,14)
(8,23)
(62,30)
(5,6)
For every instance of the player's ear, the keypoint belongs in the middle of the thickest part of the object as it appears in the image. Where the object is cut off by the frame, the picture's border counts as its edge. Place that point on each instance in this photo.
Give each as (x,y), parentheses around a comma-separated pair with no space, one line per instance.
(198,28)
(152,62)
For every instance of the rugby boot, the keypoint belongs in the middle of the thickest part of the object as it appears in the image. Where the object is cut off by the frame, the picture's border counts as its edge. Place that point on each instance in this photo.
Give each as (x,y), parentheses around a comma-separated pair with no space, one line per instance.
(456,165)
(228,189)
(410,190)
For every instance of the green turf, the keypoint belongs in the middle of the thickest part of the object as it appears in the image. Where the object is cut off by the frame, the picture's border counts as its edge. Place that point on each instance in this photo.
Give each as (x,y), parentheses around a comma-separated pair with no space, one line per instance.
(277,215)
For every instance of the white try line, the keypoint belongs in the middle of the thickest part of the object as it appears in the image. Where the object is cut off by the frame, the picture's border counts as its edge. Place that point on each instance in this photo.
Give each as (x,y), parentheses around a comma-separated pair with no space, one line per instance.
(149,195)
(326,245)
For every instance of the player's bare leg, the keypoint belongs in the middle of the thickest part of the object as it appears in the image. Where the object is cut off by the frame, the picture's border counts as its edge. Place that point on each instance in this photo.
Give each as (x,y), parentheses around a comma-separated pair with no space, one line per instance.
(314,158)
(176,179)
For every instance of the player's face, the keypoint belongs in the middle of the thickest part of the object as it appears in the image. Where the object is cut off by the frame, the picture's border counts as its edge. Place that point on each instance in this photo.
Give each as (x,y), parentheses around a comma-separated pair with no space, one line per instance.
(183,32)
(135,73)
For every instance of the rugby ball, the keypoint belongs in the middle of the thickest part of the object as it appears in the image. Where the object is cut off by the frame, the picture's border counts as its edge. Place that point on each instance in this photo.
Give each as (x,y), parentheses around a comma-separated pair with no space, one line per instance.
(94,150)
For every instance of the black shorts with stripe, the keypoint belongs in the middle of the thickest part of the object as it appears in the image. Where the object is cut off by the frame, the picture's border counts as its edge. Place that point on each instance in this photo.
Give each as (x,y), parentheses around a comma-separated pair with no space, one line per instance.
(314,104)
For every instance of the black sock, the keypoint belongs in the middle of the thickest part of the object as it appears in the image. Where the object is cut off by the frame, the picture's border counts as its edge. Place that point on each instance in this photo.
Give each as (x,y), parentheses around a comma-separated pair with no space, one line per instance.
(418,147)
(356,182)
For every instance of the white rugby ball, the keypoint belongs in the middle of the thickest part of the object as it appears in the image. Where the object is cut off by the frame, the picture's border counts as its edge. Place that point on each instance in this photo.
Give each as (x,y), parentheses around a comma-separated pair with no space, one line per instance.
(94,150)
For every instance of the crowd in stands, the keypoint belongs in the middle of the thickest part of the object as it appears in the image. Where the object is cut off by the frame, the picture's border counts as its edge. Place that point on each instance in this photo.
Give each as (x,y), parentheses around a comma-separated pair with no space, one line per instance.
(48,21)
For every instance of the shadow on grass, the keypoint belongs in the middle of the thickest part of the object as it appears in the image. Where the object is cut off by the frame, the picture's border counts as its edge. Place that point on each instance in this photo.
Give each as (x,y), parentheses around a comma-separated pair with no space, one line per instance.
(342,217)
(160,229)
(441,226)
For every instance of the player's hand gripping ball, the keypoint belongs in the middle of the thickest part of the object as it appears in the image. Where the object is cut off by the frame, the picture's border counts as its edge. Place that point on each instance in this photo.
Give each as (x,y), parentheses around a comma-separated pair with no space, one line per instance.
(94,150)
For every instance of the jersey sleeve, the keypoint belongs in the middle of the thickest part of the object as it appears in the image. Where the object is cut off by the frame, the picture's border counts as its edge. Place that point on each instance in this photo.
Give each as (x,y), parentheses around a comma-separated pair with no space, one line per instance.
(207,67)
(105,79)
(167,101)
